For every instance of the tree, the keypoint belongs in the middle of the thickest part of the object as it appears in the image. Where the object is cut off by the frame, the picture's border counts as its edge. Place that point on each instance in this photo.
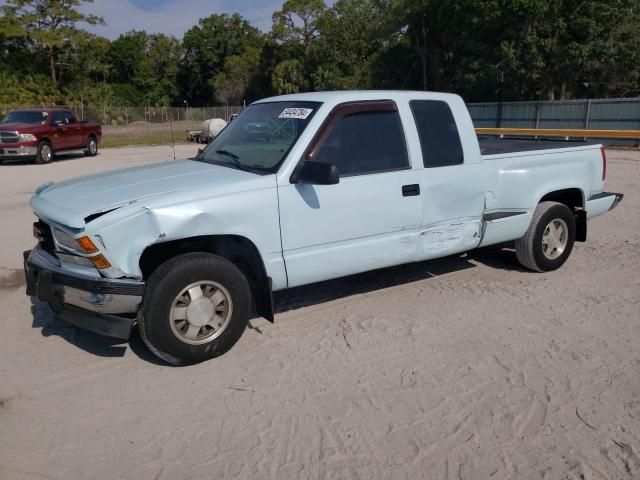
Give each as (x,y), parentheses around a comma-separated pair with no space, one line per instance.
(434,28)
(297,23)
(295,30)
(157,71)
(49,23)
(233,83)
(206,47)
(288,77)
(556,50)
(125,53)
(349,34)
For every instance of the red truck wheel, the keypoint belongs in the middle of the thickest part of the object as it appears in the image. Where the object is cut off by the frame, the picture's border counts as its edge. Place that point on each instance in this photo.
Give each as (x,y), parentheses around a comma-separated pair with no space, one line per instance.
(92,147)
(44,153)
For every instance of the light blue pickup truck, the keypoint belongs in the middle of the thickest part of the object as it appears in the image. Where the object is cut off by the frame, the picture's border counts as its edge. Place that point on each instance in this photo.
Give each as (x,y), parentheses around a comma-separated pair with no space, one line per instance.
(298,189)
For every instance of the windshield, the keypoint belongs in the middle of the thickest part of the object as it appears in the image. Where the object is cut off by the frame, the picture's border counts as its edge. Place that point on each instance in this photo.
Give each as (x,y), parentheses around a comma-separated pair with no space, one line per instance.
(260,137)
(34,118)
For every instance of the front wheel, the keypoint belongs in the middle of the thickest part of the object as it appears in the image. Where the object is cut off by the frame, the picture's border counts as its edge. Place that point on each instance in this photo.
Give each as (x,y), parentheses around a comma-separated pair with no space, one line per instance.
(44,152)
(196,307)
(549,240)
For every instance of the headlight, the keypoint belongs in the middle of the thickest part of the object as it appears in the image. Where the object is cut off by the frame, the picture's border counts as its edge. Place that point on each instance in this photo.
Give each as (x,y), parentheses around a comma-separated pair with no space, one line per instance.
(27,137)
(66,240)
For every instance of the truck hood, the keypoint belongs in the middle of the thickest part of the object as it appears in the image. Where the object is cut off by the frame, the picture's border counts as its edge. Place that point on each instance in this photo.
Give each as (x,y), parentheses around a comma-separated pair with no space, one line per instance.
(70,202)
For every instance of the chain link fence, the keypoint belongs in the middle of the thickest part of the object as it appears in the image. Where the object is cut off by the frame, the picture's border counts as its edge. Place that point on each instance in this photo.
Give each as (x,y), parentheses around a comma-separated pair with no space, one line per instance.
(141,121)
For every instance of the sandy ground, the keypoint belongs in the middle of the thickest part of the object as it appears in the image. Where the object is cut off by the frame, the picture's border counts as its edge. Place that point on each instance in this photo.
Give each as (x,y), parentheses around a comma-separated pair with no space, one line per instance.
(462,368)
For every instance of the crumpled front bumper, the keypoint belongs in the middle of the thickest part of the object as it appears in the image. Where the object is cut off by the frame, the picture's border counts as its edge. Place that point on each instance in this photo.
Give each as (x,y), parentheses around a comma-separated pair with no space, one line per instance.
(102,305)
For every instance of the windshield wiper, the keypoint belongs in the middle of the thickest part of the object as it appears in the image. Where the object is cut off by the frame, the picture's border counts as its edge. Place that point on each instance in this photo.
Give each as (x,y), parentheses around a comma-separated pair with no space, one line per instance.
(229,154)
(234,158)
(236,161)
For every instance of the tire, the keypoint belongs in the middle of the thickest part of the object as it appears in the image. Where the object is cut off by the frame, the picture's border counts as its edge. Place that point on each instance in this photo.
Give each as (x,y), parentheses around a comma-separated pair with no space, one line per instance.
(544,250)
(44,153)
(172,324)
(92,147)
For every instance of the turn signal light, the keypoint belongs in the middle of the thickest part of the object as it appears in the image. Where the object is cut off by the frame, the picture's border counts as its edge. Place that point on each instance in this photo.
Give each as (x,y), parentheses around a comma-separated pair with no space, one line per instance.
(87,245)
(100,262)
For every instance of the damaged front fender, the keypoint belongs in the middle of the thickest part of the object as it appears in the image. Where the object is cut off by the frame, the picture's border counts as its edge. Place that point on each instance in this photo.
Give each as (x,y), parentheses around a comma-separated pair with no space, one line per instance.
(127,232)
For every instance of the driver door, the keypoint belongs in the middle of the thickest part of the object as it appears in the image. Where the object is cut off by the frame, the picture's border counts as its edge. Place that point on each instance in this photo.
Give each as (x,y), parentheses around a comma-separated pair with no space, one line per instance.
(368,220)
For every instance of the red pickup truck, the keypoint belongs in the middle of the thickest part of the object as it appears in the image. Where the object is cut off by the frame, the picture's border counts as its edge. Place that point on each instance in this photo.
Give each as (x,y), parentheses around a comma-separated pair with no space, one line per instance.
(39,134)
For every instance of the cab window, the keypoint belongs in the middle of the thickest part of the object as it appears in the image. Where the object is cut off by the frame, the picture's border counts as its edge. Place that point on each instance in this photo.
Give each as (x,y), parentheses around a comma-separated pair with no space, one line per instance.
(365,142)
(63,118)
(438,132)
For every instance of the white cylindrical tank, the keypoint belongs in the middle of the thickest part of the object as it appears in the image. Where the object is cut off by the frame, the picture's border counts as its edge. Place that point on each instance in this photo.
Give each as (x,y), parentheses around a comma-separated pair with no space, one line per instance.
(212,127)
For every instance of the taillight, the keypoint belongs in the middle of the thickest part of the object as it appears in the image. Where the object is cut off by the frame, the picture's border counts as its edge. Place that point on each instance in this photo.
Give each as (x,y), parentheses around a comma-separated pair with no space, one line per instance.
(604,163)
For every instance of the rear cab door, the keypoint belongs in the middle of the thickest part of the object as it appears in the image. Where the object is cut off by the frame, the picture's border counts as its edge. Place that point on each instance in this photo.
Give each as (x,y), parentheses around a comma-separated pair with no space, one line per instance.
(67,133)
(370,219)
(450,175)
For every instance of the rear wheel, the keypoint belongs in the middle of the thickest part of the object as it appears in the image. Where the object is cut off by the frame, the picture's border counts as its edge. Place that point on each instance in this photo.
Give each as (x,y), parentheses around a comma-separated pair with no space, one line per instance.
(549,240)
(92,147)
(196,307)
(44,152)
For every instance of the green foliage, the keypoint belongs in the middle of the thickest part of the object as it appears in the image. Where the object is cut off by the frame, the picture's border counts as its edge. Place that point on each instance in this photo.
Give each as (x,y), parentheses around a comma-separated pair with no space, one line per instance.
(233,82)
(288,77)
(206,47)
(481,49)
(348,38)
(49,24)
(30,90)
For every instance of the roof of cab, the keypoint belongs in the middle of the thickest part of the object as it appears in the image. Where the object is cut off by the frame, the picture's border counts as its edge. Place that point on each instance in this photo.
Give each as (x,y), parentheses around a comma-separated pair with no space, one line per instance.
(358,95)
(47,110)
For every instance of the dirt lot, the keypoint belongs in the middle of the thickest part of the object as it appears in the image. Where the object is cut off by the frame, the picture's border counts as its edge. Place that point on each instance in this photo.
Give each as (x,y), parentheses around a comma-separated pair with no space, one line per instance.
(462,368)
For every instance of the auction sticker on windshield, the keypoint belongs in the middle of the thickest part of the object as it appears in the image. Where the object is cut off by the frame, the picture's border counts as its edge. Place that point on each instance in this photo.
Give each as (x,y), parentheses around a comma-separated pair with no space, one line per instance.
(300,113)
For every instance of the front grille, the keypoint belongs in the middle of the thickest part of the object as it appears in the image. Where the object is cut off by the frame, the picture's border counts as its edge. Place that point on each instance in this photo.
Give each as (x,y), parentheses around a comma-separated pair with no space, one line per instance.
(9,137)
(45,237)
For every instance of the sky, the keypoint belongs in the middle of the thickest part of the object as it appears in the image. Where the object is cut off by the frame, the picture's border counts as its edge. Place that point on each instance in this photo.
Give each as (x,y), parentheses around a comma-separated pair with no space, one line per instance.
(173,16)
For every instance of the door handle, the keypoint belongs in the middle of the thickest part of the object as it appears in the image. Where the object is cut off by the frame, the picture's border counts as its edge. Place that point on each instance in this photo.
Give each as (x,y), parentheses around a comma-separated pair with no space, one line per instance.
(411,190)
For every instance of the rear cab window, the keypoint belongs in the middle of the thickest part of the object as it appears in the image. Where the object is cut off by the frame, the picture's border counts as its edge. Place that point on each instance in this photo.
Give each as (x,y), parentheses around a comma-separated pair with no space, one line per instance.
(439,138)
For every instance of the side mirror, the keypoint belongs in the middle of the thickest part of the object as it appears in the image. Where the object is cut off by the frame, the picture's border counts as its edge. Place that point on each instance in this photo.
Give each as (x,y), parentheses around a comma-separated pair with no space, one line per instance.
(200,154)
(317,173)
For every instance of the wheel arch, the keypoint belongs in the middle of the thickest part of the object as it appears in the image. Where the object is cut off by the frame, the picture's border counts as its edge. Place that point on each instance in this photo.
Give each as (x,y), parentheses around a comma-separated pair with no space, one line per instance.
(573,198)
(238,249)
(45,139)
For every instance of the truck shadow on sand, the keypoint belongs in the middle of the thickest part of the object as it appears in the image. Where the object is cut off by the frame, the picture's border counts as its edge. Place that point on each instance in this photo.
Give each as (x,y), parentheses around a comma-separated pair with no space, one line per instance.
(500,257)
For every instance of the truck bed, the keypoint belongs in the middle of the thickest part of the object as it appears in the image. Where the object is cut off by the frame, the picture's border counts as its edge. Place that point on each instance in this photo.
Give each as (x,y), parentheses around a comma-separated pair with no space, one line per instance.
(499,146)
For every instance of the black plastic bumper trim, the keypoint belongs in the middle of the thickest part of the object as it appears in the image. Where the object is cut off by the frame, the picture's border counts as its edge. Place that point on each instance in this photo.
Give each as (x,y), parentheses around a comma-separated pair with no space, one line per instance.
(498,215)
(108,325)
